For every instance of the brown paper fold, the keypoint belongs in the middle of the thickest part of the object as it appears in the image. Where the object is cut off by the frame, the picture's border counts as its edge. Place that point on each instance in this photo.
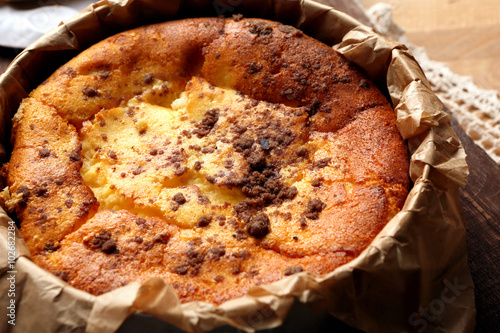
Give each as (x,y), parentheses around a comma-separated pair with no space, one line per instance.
(414,275)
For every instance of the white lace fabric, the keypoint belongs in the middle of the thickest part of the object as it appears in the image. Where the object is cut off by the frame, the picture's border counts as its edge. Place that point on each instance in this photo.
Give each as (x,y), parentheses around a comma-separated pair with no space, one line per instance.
(477,110)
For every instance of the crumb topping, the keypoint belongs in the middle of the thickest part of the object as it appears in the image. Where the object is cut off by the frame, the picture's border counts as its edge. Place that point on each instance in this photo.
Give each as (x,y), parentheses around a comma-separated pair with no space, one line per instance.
(102,242)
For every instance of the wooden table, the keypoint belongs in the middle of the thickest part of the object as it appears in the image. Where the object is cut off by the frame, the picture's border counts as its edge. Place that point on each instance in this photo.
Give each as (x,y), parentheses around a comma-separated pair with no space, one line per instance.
(464,34)
(481,208)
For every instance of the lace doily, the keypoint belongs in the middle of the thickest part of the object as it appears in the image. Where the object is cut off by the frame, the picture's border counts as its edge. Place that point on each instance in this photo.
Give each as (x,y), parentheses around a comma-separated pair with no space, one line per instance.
(477,110)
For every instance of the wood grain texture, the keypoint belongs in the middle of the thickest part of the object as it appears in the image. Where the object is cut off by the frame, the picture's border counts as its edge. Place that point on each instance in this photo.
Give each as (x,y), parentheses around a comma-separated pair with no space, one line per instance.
(481,209)
(464,34)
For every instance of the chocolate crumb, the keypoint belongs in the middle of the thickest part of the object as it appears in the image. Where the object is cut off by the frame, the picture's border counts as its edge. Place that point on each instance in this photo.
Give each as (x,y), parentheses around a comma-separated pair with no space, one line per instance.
(316,183)
(236,270)
(42,219)
(253,68)
(238,129)
(197,241)
(228,164)
(161,238)
(148,78)
(293,270)
(256,160)
(260,28)
(207,123)
(136,239)
(141,222)
(25,194)
(186,133)
(203,221)
(197,165)
(90,91)
(85,207)
(181,269)
(242,144)
(102,242)
(112,155)
(303,222)
(44,152)
(148,245)
(63,275)
(243,254)
(314,208)
(50,247)
(195,260)
(41,191)
(302,152)
(288,193)
(74,156)
(208,150)
(221,219)
(286,29)
(69,71)
(252,273)
(210,179)
(180,171)
(289,94)
(179,198)
(216,252)
(258,226)
(138,170)
(313,107)
(203,199)
(322,163)
(240,233)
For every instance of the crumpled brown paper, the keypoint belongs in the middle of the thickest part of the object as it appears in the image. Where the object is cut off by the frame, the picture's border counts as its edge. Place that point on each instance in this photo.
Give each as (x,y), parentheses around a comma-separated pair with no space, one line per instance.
(413,277)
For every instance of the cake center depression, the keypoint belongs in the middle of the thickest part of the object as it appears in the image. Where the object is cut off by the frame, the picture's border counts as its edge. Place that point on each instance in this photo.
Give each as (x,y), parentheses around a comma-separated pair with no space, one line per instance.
(217,154)
(200,157)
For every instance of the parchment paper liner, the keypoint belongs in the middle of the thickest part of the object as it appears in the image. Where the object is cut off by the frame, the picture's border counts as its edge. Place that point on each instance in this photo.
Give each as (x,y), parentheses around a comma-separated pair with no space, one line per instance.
(414,275)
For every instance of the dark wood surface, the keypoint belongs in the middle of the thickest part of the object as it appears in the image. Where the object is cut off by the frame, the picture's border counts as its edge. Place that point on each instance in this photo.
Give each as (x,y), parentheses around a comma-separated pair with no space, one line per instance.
(481,207)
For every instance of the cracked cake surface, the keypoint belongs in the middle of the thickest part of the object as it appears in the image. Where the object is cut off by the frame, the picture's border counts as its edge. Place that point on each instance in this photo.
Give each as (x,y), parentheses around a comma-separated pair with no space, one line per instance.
(218,154)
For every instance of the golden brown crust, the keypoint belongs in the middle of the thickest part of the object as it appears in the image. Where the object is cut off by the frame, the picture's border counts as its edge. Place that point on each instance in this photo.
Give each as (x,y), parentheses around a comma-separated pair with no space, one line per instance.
(217,154)
(46,188)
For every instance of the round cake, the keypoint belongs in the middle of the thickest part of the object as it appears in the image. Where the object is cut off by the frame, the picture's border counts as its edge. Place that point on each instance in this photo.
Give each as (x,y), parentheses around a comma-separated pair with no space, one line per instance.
(216,153)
